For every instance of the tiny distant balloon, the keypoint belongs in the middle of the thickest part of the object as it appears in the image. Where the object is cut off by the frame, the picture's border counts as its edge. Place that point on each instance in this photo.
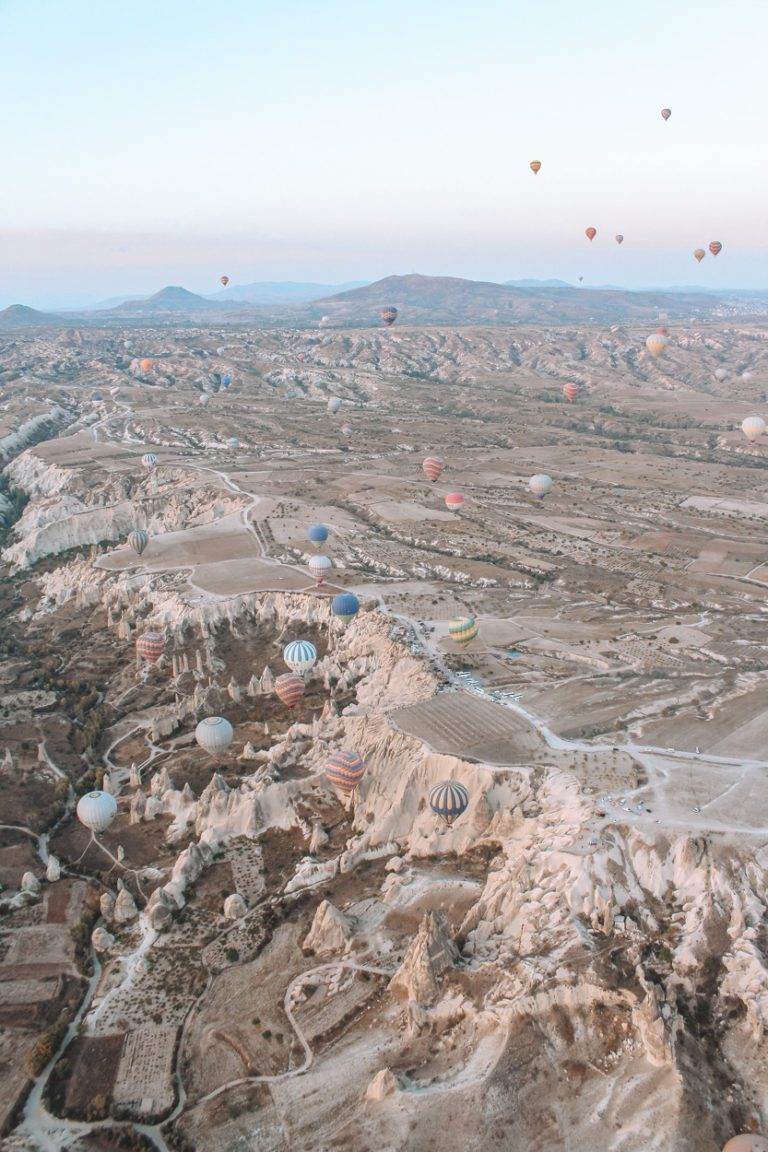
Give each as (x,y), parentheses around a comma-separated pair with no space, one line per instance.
(319,567)
(698,255)
(581,278)
(666,113)
(344,771)
(715,247)
(535,166)
(747,1142)
(150,647)
(463,630)
(571,391)
(346,430)
(333,405)
(317,533)
(540,485)
(300,656)
(388,316)
(346,606)
(433,467)
(138,540)
(619,238)
(753,428)
(145,366)
(204,400)
(149,461)
(449,800)
(656,343)
(590,233)
(289,688)
(224,280)
(454,501)
(721,373)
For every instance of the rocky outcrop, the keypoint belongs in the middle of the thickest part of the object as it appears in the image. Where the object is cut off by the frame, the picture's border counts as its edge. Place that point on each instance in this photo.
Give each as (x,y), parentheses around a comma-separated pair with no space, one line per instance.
(330,933)
(431,953)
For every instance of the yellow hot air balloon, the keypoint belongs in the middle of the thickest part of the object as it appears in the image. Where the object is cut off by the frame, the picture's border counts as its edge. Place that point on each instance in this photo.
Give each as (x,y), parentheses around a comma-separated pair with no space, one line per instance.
(699,254)
(656,343)
(535,166)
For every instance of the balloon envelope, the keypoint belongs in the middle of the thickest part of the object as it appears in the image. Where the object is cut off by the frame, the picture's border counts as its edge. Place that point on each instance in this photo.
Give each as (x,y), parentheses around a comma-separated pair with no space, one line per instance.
(753,428)
(319,567)
(300,656)
(540,484)
(590,233)
(747,1142)
(666,113)
(656,343)
(138,540)
(448,800)
(145,366)
(346,606)
(333,405)
(454,501)
(570,391)
(463,630)
(96,810)
(224,280)
(344,770)
(317,533)
(149,460)
(715,247)
(289,688)
(433,467)
(388,315)
(699,255)
(535,166)
(214,734)
(150,646)
(619,238)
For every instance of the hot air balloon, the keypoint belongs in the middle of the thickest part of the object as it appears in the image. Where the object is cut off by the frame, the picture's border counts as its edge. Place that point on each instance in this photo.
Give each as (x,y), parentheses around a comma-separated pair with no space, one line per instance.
(656,343)
(319,567)
(333,405)
(747,375)
(149,461)
(317,533)
(540,484)
(454,501)
(346,606)
(753,428)
(662,331)
(698,255)
(535,166)
(581,278)
(150,646)
(289,688)
(747,1142)
(214,735)
(145,366)
(666,113)
(570,391)
(224,280)
(721,373)
(715,247)
(233,443)
(226,380)
(433,467)
(388,316)
(138,540)
(344,771)
(96,810)
(463,630)
(619,238)
(590,233)
(204,400)
(300,656)
(448,800)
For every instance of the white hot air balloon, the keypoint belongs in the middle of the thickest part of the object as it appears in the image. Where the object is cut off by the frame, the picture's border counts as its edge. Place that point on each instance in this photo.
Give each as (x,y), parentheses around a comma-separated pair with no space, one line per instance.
(721,374)
(96,810)
(753,428)
(333,405)
(214,735)
(747,375)
(300,656)
(149,460)
(319,567)
(540,484)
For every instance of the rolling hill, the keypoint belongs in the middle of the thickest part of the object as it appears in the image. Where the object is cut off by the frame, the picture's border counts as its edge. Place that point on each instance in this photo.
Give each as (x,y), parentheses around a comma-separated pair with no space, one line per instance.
(173,301)
(20,316)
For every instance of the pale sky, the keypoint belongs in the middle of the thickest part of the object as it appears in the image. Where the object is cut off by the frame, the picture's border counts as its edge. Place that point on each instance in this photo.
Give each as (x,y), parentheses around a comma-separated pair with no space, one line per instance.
(147,144)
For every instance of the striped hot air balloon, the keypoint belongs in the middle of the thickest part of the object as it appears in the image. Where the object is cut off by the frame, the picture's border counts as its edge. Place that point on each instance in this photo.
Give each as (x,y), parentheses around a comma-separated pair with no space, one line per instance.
(590,233)
(539,485)
(535,166)
(570,391)
(319,567)
(388,316)
(433,467)
(346,606)
(289,688)
(138,540)
(666,113)
(300,656)
(454,501)
(214,734)
(317,533)
(150,647)
(344,771)
(149,461)
(715,247)
(463,630)
(448,800)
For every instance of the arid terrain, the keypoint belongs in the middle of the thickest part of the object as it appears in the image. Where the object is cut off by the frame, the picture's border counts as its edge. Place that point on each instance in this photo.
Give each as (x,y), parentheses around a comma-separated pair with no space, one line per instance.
(247,958)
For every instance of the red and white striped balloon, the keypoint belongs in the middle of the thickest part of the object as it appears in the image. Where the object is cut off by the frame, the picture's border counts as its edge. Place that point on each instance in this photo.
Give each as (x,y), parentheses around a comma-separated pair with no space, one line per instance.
(454,501)
(150,646)
(289,688)
(433,467)
(571,391)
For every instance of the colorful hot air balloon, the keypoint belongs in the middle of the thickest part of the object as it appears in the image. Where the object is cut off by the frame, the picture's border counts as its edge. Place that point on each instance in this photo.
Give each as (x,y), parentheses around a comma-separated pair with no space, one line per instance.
(344,771)
(448,800)
(698,255)
(535,166)
(300,656)
(149,461)
(753,428)
(666,113)
(289,688)
(619,238)
(150,647)
(388,316)
(346,606)
(145,366)
(224,280)
(715,247)
(96,810)
(463,630)
(656,343)
(540,485)
(454,501)
(333,405)
(138,540)
(317,533)
(433,467)
(214,734)
(590,233)
(570,391)
(319,567)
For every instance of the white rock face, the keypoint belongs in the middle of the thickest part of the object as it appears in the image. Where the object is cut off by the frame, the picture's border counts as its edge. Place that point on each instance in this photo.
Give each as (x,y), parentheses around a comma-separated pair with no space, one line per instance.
(107,905)
(102,940)
(53,869)
(235,907)
(383,1085)
(431,953)
(125,907)
(30,884)
(330,933)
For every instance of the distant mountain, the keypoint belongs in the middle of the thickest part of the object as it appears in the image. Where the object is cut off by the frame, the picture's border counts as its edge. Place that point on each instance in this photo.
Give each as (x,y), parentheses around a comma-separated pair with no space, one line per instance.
(20,316)
(449,300)
(169,301)
(281,292)
(537,284)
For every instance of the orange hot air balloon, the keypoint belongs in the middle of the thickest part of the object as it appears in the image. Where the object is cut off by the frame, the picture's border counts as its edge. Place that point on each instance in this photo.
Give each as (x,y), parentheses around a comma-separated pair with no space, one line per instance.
(666,113)
(590,233)
(715,247)
(145,366)
(432,468)
(571,391)
(699,254)
(619,238)
(535,166)
(224,280)
(454,501)
(289,688)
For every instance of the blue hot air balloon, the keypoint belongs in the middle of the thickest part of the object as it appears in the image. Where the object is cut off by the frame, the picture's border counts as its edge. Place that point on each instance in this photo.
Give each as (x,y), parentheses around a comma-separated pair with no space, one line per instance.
(318,533)
(448,800)
(346,606)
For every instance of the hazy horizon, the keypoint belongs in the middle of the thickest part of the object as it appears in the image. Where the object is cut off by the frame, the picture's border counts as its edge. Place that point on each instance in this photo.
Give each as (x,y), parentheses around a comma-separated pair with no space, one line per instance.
(171,144)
